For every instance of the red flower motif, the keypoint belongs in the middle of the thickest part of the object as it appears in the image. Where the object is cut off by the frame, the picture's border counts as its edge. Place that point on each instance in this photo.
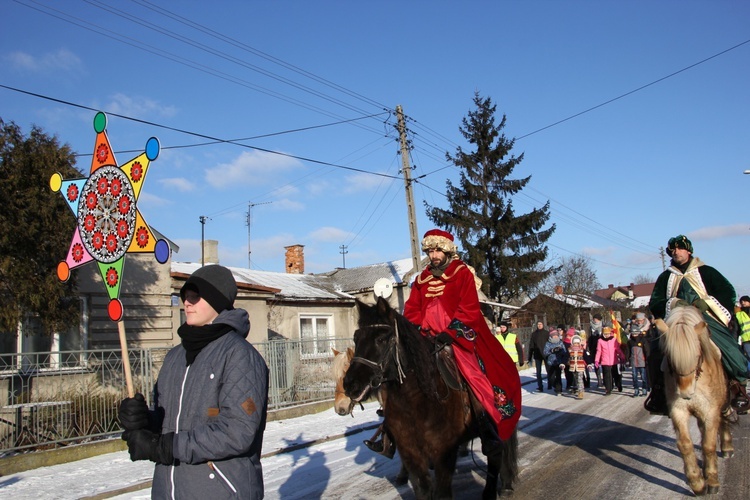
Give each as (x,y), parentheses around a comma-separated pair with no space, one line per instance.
(89,223)
(116,186)
(102,185)
(112,277)
(122,228)
(91,200)
(77,252)
(102,153)
(124,204)
(142,237)
(72,192)
(136,171)
(97,240)
(111,243)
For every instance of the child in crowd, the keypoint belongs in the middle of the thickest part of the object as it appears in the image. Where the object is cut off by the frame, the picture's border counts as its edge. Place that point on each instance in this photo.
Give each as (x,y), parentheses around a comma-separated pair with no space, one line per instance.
(556,356)
(608,355)
(576,363)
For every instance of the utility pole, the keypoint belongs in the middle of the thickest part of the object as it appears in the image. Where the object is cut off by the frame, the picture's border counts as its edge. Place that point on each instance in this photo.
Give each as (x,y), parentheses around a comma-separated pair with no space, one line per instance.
(250,205)
(663,260)
(406,169)
(343,253)
(203,220)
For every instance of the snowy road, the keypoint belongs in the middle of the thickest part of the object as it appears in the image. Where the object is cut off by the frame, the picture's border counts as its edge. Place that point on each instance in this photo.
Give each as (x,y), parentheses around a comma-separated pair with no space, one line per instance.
(598,447)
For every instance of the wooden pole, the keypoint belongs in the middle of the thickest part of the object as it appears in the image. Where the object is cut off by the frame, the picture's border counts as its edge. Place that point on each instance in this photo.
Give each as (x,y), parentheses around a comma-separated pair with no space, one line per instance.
(125,358)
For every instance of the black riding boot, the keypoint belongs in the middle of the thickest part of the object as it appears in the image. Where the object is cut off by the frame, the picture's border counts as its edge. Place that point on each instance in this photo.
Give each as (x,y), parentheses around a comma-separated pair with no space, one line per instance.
(492,445)
(385,446)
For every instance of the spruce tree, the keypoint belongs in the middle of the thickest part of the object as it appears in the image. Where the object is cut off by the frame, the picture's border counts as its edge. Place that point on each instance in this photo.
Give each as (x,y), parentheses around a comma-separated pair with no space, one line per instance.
(37,227)
(506,250)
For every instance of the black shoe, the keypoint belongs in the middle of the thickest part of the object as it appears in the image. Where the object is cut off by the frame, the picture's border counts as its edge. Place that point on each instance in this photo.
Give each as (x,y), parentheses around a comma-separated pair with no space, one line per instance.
(379,412)
(376,446)
(741,405)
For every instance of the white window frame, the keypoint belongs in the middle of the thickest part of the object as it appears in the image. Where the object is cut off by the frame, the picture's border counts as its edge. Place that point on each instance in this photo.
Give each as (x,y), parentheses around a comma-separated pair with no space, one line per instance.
(316,346)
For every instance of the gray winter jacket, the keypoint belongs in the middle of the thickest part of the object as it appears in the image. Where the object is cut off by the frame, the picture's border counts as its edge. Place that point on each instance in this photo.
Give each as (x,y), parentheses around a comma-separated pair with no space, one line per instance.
(217,409)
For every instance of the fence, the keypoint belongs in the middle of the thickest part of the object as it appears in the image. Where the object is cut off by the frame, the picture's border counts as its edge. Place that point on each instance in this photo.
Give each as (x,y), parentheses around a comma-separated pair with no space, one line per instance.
(54,399)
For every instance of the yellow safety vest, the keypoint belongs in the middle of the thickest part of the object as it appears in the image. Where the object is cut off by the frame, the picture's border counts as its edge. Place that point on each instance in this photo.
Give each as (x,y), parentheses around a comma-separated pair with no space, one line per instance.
(509,343)
(744,321)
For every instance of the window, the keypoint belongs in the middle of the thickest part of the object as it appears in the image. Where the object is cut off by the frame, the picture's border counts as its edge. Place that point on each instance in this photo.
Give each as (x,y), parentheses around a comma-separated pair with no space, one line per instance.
(316,334)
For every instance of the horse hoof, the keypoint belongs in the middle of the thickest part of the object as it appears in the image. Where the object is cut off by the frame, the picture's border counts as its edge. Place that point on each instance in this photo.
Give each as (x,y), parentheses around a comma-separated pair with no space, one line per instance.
(727,454)
(712,490)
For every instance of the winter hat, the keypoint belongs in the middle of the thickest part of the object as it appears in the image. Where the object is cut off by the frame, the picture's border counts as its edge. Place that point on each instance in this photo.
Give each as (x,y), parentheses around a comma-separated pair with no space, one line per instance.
(640,316)
(598,316)
(554,333)
(679,241)
(744,298)
(607,330)
(437,238)
(215,284)
(576,339)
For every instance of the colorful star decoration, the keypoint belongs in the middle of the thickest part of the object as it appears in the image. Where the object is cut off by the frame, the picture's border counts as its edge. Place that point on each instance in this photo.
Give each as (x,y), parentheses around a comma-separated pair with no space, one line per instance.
(109,223)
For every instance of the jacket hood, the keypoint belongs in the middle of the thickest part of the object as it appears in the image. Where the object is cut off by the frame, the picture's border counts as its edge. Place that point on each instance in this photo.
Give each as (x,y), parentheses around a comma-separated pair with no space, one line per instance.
(238,319)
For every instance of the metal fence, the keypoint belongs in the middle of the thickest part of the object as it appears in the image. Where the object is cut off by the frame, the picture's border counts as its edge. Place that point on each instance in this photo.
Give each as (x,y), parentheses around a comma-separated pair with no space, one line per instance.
(54,399)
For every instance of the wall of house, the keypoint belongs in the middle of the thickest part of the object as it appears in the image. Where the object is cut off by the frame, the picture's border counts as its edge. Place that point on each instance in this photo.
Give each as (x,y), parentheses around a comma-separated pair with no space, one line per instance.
(284,317)
(148,313)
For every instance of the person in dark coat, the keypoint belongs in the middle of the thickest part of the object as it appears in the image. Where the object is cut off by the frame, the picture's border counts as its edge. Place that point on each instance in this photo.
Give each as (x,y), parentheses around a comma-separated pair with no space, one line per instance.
(538,340)
(592,342)
(210,401)
(556,355)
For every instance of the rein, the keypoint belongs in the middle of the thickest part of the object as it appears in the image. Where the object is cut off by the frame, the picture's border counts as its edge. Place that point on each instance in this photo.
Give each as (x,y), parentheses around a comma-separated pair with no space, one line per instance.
(392,353)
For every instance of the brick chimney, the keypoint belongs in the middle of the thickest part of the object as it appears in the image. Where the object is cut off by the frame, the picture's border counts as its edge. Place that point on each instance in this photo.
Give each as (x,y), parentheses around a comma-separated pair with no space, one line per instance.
(295,259)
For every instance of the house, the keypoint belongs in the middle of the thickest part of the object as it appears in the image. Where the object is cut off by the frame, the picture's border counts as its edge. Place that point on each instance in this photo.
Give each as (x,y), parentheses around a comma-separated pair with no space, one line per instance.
(633,296)
(558,308)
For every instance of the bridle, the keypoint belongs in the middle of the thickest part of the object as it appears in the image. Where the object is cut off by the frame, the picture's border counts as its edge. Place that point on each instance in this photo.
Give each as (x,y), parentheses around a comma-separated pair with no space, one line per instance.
(391,355)
(697,370)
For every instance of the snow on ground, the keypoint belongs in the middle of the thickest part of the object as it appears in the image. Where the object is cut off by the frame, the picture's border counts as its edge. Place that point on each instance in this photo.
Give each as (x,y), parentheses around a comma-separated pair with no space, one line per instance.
(288,461)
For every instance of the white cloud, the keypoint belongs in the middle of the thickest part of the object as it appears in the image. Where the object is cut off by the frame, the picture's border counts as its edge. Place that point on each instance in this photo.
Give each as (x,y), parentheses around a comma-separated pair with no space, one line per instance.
(287,204)
(717,232)
(178,183)
(147,199)
(598,251)
(250,168)
(358,183)
(61,60)
(138,106)
(331,234)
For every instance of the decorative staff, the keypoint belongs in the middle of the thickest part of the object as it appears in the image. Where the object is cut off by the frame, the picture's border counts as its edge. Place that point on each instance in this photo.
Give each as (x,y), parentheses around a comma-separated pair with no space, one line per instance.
(109,222)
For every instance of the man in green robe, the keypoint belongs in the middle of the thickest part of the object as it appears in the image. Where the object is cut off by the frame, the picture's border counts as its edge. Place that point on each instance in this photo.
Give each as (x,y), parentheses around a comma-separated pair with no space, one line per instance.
(689,280)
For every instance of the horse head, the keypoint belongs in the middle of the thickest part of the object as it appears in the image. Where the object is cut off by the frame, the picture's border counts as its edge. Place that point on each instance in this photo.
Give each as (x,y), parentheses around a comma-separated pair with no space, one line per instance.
(375,357)
(686,344)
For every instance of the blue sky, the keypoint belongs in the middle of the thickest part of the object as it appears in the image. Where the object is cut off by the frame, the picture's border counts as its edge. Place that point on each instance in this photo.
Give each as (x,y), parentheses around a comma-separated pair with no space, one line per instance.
(661,153)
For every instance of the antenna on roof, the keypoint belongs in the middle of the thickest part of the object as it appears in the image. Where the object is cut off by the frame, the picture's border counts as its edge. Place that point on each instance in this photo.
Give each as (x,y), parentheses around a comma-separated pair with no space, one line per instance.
(250,206)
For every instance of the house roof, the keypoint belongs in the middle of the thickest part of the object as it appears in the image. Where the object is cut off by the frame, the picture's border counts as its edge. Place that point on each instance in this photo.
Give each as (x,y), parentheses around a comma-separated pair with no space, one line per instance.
(302,287)
(363,278)
(639,290)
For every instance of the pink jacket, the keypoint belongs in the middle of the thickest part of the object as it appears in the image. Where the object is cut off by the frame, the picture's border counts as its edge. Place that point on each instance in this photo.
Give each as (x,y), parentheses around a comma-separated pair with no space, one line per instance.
(608,352)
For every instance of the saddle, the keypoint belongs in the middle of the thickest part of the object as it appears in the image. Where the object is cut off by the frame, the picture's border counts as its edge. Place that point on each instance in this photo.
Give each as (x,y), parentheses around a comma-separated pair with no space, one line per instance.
(446,364)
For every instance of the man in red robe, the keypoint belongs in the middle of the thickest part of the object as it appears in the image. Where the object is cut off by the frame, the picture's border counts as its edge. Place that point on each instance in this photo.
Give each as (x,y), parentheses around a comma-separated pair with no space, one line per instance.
(444,298)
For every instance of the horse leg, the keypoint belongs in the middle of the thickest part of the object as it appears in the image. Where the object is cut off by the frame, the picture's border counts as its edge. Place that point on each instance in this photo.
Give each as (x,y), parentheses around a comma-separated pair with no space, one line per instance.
(725,438)
(709,427)
(444,468)
(419,473)
(685,446)
(403,475)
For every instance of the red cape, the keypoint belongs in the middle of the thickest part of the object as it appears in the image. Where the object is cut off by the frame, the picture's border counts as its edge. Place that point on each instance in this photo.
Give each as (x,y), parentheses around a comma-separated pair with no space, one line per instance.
(436,303)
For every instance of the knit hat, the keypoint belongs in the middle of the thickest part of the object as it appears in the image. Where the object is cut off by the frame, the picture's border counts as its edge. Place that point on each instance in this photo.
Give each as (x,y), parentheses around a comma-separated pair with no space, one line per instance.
(215,284)
(437,238)
(640,316)
(744,298)
(598,316)
(576,339)
(679,241)
(553,332)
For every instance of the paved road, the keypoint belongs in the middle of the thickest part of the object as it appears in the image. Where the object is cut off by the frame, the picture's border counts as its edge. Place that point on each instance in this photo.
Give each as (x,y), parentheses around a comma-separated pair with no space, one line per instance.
(598,447)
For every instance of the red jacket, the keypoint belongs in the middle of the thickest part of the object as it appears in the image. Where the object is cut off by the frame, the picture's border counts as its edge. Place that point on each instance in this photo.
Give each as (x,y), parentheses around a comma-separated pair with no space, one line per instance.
(434,304)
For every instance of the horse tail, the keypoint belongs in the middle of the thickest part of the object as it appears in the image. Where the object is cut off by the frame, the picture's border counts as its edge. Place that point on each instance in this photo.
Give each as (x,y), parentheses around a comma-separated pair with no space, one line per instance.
(509,462)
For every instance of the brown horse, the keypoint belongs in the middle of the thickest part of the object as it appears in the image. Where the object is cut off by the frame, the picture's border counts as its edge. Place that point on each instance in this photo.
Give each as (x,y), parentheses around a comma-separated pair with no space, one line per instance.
(695,385)
(427,418)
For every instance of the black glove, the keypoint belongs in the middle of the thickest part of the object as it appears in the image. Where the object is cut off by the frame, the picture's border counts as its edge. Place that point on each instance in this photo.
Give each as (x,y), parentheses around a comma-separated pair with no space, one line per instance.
(133,413)
(145,445)
(444,338)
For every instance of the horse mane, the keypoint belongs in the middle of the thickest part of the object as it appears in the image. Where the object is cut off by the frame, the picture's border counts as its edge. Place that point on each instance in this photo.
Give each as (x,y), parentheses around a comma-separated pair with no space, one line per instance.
(682,344)
(340,363)
(419,351)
